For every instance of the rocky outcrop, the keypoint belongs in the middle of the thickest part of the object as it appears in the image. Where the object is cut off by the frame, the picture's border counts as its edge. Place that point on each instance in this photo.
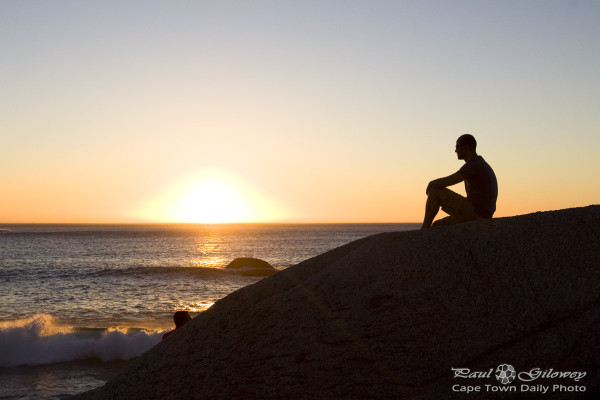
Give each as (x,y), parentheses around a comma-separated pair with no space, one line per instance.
(391,315)
(248,266)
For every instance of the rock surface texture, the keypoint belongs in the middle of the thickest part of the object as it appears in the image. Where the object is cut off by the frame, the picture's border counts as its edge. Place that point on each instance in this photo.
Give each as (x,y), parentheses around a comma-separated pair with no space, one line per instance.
(390,315)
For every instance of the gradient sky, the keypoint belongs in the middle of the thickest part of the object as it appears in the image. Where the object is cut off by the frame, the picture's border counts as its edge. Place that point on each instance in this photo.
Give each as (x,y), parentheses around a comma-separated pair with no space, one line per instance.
(296,111)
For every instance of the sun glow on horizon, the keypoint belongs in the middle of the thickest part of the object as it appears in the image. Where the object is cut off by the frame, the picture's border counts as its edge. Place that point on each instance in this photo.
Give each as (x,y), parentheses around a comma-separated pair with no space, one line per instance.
(211,198)
(210,201)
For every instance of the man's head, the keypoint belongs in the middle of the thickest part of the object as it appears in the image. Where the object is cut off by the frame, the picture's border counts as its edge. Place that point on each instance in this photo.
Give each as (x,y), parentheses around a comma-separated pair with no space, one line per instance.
(466,146)
(181,318)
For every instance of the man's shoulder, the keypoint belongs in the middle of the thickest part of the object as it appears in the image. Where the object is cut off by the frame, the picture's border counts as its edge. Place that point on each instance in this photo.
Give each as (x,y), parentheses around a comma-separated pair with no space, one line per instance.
(484,163)
(477,162)
(474,166)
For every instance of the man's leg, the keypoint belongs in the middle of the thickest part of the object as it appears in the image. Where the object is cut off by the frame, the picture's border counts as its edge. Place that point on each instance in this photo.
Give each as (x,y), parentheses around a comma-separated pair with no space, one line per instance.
(449,220)
(432,207)
(458,208)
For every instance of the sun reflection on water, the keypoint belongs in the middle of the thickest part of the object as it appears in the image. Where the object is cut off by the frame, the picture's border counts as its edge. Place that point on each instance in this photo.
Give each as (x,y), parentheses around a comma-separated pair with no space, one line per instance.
(210,252)
(195,307)
(209,262)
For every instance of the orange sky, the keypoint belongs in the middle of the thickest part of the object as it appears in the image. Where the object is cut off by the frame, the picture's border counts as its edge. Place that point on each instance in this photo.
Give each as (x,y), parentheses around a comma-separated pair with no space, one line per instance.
(311,111)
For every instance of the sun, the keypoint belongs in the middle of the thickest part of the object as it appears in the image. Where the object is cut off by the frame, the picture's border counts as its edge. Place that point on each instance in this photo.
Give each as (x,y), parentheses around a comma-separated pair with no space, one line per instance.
(210,200)
(210,197)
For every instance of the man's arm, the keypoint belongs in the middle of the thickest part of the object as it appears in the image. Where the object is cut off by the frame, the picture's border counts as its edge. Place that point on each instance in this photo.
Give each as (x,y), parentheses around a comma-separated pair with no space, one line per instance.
(445,182)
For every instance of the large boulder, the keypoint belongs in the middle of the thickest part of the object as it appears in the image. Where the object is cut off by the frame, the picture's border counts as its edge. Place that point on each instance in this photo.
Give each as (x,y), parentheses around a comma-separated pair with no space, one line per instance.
(403,316)
(248,266)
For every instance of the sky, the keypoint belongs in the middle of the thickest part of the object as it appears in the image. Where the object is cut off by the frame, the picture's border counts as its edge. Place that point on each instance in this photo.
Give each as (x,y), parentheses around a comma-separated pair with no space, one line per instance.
(291,111)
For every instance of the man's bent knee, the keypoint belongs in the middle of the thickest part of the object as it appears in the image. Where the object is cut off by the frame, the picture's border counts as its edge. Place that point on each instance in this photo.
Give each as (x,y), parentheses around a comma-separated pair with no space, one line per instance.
(436,192)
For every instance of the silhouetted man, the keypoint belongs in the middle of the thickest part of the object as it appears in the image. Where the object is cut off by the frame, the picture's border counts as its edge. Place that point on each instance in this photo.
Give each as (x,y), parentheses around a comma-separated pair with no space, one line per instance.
(480,184)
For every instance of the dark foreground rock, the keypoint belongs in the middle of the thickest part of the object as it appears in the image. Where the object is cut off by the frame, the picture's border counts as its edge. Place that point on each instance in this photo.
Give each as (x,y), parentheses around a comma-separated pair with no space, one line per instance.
(390,315)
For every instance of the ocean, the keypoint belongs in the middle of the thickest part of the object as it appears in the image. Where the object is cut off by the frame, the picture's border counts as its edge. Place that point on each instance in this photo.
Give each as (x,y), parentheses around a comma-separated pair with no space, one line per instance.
(78,302)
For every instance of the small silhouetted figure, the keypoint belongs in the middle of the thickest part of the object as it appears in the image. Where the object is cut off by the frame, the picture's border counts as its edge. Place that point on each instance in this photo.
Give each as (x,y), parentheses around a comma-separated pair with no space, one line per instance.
(480,184)
(181,318)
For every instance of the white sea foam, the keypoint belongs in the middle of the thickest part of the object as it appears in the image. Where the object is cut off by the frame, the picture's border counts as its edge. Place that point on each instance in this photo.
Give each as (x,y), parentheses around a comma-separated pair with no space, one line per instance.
(39,340)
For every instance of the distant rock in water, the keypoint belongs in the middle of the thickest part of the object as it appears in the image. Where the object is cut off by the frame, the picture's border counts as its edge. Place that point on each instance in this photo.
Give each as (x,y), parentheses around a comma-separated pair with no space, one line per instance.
(248,266)
(407,315)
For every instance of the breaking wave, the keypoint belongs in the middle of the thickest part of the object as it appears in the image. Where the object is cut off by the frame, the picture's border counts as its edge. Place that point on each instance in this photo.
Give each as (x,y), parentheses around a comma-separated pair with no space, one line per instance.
(39,340)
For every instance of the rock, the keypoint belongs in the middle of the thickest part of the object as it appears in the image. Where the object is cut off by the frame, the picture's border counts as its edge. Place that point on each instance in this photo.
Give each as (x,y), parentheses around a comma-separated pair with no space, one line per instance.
(248,266)
(390,315)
